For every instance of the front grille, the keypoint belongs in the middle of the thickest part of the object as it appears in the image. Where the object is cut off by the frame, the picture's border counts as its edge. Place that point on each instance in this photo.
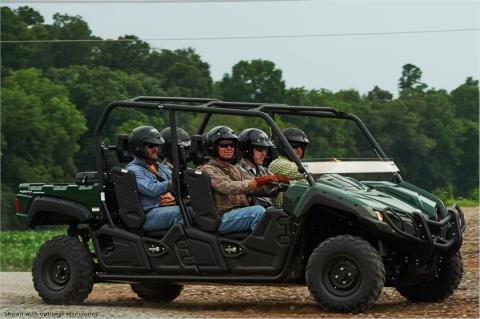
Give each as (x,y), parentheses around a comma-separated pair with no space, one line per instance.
(404,222)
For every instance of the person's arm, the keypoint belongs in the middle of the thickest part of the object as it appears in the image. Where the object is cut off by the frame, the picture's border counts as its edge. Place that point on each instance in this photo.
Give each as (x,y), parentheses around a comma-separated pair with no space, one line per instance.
(166,174)
(256,189)
(222,183)
(150,187)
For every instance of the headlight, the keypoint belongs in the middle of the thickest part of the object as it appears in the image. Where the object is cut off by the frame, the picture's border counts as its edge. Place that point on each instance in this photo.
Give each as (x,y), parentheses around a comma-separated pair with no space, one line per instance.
(379,215)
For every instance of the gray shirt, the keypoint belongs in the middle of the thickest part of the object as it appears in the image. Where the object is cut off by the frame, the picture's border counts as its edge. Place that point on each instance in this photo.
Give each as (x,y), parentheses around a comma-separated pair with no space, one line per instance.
(257,170)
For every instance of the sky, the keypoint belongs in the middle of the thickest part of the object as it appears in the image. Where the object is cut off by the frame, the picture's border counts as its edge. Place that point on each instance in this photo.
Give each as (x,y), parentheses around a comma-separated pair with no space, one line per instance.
(318,55)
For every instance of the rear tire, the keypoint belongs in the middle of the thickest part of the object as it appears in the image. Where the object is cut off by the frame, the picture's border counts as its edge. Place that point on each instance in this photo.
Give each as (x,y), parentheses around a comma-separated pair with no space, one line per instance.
(157,292)
(345,274)
(439,288)
(63,271)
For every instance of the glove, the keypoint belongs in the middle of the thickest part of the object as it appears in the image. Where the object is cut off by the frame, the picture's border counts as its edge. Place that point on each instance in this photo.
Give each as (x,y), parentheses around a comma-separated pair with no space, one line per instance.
(264,180)
(283,179)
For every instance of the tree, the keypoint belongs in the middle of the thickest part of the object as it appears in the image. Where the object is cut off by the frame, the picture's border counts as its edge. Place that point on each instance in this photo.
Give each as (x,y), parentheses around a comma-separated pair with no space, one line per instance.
(467,172)
(465,98)
(410,80)
(92,89)
(40,129)
(67,27)
(25,23)
(129,54)
(29,15)
(183,72)
(14,27)
(254,81)
(379,95)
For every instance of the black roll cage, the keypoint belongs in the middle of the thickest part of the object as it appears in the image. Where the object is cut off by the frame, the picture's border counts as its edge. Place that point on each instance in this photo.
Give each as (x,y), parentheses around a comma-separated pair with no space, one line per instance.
(214,106)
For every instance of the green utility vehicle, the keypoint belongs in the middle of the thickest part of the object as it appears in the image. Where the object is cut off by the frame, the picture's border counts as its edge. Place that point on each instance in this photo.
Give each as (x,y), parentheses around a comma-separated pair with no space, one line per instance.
(342,238)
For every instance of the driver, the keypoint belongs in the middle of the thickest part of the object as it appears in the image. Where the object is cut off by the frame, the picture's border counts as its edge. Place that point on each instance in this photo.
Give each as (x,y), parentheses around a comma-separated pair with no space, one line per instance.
(253,145)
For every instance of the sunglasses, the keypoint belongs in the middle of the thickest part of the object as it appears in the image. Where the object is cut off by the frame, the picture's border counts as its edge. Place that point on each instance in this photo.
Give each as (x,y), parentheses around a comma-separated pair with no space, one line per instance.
(225,145)
(151,145)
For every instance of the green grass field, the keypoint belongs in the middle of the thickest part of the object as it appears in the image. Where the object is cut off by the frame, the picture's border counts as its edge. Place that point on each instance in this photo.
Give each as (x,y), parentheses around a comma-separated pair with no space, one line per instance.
(18,248)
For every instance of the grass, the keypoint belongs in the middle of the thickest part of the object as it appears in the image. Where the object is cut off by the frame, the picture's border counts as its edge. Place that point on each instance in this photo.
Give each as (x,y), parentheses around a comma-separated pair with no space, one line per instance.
(19,248)
(447,196)
(463,202)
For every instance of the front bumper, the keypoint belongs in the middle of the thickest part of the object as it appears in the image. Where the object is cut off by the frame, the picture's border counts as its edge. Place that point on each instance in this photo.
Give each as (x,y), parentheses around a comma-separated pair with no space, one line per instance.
(415,234)
(414,247)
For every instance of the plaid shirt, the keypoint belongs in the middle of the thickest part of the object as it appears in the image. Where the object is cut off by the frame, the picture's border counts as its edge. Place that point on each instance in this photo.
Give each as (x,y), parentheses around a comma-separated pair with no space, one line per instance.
(284,166)
(229,185)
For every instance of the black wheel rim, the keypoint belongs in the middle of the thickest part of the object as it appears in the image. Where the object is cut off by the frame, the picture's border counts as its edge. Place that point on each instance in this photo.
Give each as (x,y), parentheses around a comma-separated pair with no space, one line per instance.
(342,276)
(56,273)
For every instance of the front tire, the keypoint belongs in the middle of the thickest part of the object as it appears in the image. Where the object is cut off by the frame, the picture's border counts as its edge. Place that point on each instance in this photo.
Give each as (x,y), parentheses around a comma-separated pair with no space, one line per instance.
(345,274)
(439,288)
(157,292)
(63,271)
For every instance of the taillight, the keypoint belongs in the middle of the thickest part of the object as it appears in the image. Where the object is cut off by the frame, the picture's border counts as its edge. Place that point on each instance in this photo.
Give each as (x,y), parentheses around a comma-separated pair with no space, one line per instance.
(17,205)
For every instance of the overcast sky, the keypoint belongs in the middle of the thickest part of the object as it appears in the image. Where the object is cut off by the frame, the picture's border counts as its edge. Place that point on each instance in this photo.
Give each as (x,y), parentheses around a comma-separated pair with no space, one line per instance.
(332,62)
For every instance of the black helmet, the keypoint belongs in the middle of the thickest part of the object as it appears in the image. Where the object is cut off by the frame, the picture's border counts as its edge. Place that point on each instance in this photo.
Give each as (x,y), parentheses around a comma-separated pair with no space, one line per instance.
(293,136)
(296,135)
(183,142)
(143,135)
(216,134)
(251,137)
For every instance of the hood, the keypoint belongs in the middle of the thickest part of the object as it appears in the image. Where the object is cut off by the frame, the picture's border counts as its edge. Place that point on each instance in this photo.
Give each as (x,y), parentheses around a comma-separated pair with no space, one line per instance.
(380,195)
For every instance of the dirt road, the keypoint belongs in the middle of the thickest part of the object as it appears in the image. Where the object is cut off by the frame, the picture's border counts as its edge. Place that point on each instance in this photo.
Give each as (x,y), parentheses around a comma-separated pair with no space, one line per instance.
(19,300)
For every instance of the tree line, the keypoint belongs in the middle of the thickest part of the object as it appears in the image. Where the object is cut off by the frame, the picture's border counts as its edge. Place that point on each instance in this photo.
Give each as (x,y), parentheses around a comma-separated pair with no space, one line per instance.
(52,95)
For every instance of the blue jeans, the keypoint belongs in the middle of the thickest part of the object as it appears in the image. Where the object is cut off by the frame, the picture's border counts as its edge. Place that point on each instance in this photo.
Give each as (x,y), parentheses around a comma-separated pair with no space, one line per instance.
(163,217)
(241,219)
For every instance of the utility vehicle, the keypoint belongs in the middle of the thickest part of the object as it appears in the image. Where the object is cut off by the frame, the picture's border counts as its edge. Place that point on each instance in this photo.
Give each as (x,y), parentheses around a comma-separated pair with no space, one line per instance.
(342,238)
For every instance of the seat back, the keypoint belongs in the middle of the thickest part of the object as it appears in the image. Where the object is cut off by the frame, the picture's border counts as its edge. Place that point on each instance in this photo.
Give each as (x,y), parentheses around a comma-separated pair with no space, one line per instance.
(130,210)
(122,149)
(205,214)
(198,154)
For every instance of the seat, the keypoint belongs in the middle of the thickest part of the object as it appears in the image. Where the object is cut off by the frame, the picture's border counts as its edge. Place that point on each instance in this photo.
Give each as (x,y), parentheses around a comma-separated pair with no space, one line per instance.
(205,214)
(125,187)
(130,210)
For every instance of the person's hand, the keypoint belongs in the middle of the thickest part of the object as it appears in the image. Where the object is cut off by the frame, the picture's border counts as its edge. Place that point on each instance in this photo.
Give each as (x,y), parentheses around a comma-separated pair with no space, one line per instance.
(264,180)
(283,179)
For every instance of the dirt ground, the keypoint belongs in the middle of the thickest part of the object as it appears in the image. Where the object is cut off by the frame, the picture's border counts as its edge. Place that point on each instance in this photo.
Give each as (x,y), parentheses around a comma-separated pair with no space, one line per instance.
(19,300)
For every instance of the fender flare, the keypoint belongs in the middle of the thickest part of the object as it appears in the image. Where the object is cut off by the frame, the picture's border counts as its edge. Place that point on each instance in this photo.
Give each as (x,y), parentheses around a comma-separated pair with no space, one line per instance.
(46,210)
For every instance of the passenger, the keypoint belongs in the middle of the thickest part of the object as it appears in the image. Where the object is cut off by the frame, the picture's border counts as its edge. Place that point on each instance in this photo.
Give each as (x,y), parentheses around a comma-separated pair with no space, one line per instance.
(183,147)
(230,184)
(283,165)
(154,180)
(253,145)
